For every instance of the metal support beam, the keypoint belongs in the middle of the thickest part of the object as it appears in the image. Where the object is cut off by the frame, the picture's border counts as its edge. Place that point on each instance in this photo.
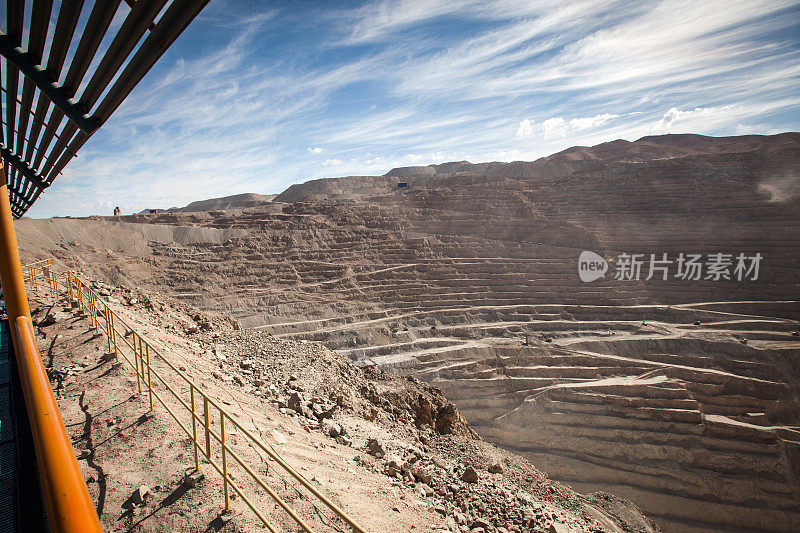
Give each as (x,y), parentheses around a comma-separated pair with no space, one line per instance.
(39,76)
(23,167)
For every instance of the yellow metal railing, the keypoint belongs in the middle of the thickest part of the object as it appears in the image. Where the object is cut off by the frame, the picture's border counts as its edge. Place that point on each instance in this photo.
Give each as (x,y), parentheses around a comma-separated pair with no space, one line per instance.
(207,419)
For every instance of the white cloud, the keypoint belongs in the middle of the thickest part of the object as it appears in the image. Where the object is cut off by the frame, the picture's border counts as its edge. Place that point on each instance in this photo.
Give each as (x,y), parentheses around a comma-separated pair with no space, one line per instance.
(555,127)
(315,150)
(673,115)
(525,128)
(332,163)
(590,122)
(559,127)
(676,115)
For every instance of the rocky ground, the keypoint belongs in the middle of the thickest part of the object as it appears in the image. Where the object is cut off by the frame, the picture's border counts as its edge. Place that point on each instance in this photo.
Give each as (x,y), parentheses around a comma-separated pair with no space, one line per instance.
(407,458)
(408,431)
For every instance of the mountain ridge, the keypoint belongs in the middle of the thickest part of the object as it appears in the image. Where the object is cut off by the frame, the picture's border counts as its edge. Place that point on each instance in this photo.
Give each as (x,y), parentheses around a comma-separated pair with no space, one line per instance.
(568,161)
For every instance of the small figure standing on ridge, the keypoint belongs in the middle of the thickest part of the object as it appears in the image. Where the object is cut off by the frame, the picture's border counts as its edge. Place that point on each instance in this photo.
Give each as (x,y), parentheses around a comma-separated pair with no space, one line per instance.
(117,212)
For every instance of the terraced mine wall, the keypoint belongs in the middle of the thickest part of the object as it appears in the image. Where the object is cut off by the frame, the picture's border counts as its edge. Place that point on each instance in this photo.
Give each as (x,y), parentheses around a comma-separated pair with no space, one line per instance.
(680,395)
(695,432)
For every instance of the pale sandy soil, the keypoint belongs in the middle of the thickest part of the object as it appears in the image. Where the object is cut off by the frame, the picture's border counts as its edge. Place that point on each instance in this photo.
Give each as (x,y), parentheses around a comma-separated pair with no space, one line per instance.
(143,448)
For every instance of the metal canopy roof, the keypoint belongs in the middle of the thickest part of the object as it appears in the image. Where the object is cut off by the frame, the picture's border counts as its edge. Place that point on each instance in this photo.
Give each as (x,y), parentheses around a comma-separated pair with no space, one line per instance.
(148,29)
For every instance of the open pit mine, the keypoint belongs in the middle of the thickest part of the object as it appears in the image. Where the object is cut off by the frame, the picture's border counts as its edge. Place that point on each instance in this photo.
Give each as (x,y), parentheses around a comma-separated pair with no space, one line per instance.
(678,394)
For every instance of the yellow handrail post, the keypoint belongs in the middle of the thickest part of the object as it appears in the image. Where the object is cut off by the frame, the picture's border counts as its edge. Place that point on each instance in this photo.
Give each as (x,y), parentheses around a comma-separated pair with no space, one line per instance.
(93,302)
(113,334)
(79,286)
(194,426)
(208,429)
(137,357)
(149,382)
(90,307)
(224,458)
(108,328)
(141,358)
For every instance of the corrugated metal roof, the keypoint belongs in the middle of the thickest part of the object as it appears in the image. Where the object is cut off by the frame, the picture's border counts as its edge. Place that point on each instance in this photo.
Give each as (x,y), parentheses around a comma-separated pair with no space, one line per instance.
(37,142)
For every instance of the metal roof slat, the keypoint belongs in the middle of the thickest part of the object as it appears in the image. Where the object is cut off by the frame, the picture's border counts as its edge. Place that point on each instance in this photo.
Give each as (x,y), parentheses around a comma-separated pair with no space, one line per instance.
(68,17)
(119,70)
(15,12)
(40,20)
(177,17)
(37,74)
(96,27)
(132,29)
(11,100)
(174,21)
(11,175)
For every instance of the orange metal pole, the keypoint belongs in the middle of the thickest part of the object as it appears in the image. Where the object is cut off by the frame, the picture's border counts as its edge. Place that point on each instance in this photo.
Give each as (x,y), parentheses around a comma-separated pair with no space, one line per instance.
(69,506)
(10,267)
(67,501)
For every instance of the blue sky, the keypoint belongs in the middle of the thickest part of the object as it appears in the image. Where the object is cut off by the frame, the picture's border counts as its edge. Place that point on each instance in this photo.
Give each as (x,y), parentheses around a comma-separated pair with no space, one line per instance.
(256,95)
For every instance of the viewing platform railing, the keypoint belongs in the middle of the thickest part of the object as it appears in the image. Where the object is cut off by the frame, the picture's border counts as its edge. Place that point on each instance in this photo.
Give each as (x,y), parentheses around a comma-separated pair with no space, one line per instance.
(201,417)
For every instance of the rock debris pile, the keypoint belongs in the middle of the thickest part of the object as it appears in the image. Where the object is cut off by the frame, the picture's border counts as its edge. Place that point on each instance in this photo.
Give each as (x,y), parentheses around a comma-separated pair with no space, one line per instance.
(406,430)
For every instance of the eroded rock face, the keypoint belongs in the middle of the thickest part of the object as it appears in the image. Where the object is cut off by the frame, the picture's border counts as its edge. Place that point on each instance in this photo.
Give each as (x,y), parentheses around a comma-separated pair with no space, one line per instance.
(432,411)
